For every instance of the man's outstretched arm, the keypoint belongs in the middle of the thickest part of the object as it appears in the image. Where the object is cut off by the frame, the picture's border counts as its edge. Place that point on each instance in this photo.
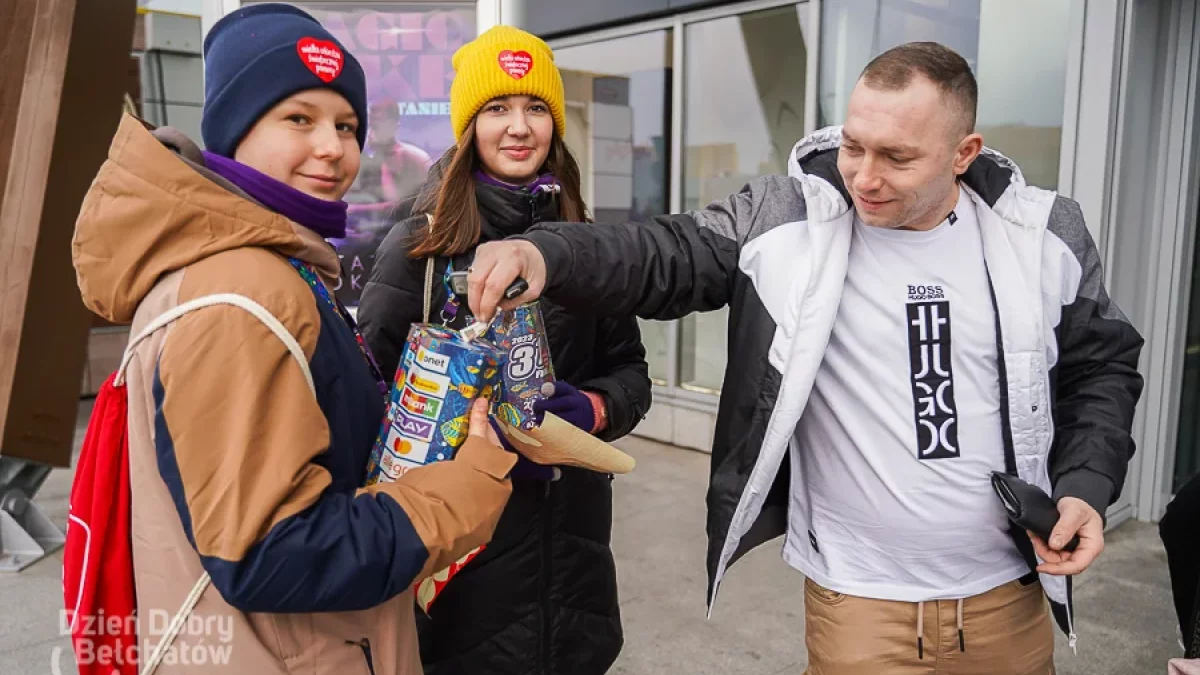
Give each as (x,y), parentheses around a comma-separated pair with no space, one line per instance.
(665,268)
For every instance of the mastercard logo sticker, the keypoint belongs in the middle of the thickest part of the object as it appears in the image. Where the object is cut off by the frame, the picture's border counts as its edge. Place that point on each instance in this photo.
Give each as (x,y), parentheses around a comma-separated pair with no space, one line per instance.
(404,448)
(407,450)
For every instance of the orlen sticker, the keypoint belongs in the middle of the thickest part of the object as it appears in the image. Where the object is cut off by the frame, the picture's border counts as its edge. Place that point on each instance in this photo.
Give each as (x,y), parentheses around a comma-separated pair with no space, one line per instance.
(425,382)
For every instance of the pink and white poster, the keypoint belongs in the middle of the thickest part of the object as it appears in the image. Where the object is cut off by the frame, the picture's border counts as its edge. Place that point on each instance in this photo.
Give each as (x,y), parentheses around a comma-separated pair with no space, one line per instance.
(406,51)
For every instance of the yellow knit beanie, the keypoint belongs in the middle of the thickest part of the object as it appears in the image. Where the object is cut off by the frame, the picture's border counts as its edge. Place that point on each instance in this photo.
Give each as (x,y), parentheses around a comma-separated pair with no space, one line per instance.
(504,61)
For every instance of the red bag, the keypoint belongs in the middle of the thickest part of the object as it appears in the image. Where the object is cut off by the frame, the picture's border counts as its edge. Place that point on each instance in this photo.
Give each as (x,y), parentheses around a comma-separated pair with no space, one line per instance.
(98,583)
(98,580)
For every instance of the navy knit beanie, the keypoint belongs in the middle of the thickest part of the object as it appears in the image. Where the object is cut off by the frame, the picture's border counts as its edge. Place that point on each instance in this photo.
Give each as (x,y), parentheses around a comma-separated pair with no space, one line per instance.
(263,53)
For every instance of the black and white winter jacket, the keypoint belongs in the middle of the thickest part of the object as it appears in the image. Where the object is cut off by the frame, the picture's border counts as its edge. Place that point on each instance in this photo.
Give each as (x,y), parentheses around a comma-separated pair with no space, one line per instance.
(776,253)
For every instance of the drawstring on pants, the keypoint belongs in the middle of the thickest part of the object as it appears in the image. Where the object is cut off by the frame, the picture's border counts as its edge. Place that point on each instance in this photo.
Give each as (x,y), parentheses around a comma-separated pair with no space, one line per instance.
(920,630)
(962,640)
(958,612)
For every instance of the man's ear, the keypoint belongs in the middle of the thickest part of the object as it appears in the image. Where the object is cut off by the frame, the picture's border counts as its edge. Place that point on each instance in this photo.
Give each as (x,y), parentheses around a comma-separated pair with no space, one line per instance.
(966,152)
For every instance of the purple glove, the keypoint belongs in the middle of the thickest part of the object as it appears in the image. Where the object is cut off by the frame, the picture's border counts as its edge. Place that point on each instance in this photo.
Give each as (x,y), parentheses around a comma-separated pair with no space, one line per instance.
(568,403)
(524,469)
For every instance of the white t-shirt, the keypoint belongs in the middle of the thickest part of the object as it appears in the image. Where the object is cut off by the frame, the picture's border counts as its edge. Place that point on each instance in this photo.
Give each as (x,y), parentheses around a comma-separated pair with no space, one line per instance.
(903,429)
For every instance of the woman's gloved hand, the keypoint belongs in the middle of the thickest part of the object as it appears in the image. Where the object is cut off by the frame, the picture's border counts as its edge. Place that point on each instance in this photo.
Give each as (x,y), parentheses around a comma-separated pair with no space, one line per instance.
(584,410)
(524,468)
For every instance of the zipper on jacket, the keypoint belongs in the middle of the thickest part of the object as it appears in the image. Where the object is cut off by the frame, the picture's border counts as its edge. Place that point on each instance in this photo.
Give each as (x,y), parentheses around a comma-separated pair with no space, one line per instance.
(1072,637)
(544,586)
(1010,455)
(365,645)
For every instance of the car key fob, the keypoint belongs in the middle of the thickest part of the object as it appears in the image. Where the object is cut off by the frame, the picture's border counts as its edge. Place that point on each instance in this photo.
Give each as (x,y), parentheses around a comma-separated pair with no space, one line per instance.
(458,284)
(516,289)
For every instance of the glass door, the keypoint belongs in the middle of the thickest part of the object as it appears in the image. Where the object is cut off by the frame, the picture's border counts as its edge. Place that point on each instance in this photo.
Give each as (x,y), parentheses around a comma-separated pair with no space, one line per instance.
(667,115)
(618,126)
(744,105)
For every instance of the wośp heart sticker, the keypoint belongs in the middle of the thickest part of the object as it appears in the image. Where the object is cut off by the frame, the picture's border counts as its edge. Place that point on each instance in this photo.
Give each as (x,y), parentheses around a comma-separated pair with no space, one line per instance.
(322,57)
(516,64)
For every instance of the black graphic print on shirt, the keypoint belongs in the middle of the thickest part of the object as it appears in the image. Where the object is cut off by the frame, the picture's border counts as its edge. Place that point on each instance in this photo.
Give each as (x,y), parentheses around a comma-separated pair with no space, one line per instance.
(932,377)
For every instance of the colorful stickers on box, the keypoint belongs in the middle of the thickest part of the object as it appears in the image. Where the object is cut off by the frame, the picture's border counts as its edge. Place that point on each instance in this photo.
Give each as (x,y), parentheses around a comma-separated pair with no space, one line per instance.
(521,335)
(439,377)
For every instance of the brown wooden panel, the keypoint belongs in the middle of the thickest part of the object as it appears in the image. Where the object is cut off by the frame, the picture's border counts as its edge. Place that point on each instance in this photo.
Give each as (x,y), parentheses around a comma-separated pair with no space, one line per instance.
(15,37)
(139,32)
(133,84)
(58,110)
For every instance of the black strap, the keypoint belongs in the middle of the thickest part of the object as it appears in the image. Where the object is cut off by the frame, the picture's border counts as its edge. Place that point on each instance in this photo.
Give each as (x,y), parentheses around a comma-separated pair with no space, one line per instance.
(1192,639)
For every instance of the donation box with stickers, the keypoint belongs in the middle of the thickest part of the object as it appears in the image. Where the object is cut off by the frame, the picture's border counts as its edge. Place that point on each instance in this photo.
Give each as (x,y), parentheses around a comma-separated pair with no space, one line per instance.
(440,376)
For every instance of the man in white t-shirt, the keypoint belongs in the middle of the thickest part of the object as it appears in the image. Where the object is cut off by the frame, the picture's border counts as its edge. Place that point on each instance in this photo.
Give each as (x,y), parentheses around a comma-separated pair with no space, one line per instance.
(903,424)
(907,317)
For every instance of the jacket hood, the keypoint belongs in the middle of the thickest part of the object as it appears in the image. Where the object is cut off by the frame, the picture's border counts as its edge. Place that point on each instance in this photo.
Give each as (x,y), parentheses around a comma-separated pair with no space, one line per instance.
(990,176)
(506,212)
(154,209)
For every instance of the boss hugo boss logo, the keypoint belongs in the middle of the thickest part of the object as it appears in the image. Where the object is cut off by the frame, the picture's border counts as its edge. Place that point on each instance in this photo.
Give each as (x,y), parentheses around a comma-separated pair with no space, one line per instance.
(932,377)
(916,293)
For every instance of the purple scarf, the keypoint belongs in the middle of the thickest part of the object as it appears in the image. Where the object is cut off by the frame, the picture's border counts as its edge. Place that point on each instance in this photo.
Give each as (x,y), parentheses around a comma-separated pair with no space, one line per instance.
(324,217)
(543,179)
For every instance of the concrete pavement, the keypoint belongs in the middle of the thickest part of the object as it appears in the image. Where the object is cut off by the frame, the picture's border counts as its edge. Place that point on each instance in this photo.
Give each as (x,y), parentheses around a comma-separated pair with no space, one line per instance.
(1125,620)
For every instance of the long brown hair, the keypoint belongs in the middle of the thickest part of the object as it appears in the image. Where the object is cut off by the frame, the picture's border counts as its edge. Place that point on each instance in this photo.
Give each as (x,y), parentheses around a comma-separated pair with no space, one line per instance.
(455,223)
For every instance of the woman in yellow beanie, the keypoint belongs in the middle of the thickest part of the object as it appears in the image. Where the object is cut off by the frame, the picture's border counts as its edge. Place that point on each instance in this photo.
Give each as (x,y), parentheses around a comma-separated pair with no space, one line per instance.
(542,596)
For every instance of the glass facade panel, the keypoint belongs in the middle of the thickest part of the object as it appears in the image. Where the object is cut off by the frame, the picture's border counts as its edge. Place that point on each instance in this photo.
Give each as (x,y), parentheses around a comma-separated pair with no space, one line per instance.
(619,128)
(743,112)
(1017,49)
(744,105)
(405,51)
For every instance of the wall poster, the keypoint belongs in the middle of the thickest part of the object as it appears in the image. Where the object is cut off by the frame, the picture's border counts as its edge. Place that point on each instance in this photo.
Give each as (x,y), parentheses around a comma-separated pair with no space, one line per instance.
(406,51)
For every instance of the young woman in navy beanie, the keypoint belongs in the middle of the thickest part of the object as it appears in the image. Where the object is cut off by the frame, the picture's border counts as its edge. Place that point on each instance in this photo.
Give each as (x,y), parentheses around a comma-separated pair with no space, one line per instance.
(252,415)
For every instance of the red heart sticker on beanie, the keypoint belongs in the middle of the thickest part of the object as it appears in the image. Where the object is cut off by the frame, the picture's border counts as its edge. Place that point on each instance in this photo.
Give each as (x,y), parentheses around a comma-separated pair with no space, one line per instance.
(322,57)
(516,64)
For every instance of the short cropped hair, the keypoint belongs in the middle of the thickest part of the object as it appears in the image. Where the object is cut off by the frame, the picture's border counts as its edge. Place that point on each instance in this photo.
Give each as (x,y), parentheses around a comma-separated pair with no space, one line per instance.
(895,68)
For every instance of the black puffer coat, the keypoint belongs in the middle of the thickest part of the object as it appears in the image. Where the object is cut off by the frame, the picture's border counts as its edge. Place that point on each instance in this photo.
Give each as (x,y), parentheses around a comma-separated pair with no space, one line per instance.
(1178,529)
(542,597)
